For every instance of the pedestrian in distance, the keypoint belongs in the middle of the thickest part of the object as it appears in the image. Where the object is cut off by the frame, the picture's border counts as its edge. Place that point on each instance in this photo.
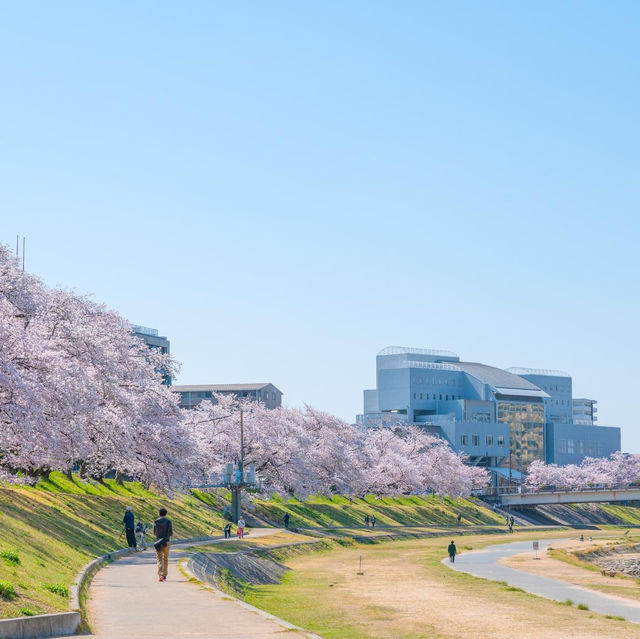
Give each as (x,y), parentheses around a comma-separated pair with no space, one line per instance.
(240,530)
(129,522)
(459,518)
(227,530)
(286,520)
(452,551)
(162,529)
(373,521)
(366,521)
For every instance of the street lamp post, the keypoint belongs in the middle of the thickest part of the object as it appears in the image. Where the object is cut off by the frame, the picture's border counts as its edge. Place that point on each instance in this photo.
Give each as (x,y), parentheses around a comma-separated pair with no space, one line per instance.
(234,477)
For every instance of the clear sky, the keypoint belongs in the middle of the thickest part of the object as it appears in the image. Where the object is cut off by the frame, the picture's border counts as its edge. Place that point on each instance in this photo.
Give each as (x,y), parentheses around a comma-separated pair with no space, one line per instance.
(285,188)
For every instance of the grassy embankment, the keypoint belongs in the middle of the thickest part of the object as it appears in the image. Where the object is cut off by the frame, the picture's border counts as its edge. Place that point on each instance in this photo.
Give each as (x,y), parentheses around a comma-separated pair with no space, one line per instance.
(407,593)
(414,510)
(601,514)
(50,531)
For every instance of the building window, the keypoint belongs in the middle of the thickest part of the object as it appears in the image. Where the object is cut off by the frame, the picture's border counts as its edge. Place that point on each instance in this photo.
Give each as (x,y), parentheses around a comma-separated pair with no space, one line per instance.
(414,396)
(500,441)
(440,396)
(464,440)
(446,397)
(570,447)
(475,440)
(489,440)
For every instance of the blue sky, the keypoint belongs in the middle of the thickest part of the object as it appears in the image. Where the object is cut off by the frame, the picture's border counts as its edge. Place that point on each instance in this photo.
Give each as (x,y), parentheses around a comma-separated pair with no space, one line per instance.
(285,188)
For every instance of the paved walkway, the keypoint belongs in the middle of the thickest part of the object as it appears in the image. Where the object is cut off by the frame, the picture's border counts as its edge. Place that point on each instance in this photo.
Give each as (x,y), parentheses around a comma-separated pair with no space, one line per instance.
(484,563)
(126,600)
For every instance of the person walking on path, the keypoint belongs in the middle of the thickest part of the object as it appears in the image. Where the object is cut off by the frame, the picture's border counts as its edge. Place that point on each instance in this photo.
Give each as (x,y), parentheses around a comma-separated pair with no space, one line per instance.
(162,529)
(286,520)
(373,521)
(459,518)
(227,530)
(129,522)
(366,521)
(241,525)
(452,551)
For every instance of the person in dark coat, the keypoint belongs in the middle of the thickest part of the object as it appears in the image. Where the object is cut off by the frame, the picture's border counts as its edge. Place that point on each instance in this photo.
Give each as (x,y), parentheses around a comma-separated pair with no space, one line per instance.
(373,521)
(452,551)
(227,530)
(129,522)
(162,529)
(286,519)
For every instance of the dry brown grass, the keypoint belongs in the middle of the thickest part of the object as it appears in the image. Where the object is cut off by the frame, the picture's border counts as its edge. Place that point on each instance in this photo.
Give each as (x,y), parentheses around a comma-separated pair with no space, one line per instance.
(406,593)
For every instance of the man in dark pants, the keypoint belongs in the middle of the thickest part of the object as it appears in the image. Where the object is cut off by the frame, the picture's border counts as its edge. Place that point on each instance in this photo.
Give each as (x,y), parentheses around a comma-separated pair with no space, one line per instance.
(162,529)
(129,522)
(286,520)
(452,551)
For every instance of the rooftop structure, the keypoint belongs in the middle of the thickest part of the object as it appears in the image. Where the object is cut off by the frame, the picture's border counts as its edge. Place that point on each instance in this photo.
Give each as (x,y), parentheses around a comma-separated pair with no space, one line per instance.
(153,340)
(192,395)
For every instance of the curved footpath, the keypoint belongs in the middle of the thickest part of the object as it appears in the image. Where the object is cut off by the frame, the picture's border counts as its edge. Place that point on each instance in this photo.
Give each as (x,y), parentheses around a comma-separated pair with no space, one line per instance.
(126,600)
(484,563)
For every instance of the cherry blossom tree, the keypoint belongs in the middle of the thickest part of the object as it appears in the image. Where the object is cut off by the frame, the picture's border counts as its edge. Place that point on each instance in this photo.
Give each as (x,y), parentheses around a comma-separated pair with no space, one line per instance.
(616,470)
(76,387)
(307,451)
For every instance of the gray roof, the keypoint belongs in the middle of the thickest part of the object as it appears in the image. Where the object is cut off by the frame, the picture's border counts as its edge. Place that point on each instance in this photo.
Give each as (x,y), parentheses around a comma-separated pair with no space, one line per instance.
(496,377)
(222,388)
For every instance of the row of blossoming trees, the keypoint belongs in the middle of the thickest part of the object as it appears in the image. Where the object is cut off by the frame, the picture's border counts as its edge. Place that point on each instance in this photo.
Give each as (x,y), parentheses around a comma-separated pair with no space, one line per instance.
(79,391)
(619,469)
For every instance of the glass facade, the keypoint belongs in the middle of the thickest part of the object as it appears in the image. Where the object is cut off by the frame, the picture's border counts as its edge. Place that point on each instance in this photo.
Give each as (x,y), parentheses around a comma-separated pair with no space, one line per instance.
(526,429)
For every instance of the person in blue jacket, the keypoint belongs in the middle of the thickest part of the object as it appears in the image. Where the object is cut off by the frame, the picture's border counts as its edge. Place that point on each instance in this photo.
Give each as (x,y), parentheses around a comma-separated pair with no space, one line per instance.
(129,522)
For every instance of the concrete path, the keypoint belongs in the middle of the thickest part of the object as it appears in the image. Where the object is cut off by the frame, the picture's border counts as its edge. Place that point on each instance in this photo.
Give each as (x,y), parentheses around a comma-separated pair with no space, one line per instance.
(484,563)
(126,600)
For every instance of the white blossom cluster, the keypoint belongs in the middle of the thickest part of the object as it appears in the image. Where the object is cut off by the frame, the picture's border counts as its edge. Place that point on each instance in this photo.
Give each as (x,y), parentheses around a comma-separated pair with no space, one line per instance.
(618,470)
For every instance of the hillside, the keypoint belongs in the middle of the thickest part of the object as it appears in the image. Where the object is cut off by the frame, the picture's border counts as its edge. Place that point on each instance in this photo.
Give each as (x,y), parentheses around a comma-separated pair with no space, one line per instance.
(412,510)
(49,532)
(616,514)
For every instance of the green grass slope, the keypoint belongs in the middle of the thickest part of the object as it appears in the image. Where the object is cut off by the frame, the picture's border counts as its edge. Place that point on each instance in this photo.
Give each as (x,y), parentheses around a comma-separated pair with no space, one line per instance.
(48,532)
(413,510)
(615,513)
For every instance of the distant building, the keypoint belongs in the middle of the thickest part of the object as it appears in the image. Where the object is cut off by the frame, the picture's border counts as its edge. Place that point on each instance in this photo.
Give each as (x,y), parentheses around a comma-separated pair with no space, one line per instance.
(584,411)
(501,419)
(191,396)
(153,340)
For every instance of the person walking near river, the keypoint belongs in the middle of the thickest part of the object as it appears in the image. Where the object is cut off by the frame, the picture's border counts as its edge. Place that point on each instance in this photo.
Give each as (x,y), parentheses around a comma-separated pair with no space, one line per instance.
(129,522)
(452,551)
(241,524)
(162,529)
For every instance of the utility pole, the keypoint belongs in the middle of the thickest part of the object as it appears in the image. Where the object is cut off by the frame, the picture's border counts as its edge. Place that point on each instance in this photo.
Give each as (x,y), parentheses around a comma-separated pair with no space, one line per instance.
(236,488)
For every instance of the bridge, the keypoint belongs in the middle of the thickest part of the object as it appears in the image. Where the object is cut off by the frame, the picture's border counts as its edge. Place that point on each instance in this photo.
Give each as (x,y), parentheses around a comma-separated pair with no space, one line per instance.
(570,497)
